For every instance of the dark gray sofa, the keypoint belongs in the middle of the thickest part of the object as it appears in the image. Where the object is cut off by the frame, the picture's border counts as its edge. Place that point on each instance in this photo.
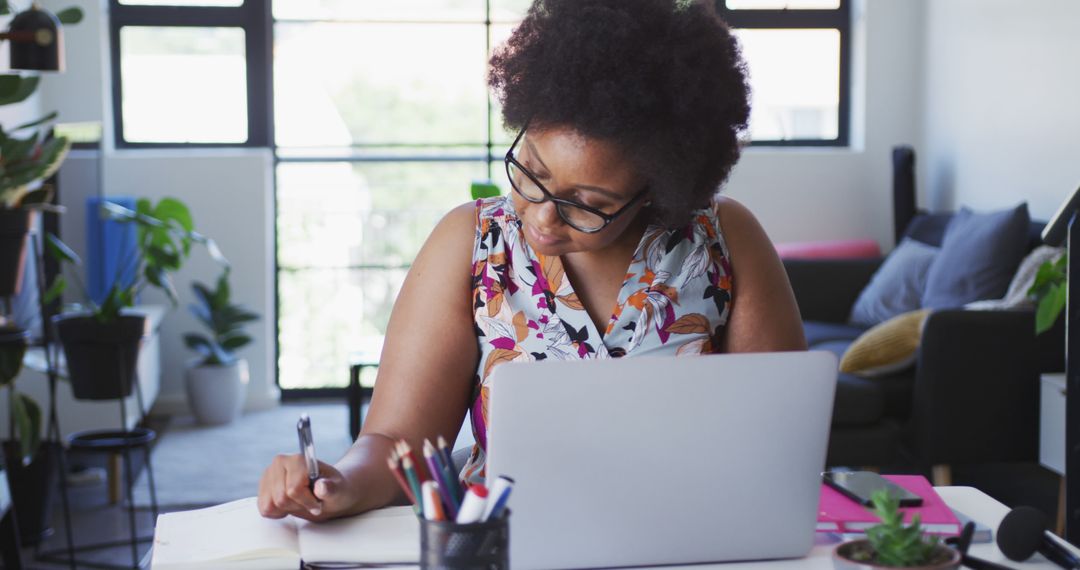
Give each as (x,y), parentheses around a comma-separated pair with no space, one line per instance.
(973,394)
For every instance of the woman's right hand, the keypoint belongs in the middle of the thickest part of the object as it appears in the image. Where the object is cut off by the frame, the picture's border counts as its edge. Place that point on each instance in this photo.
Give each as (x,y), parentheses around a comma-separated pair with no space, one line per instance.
(283,490)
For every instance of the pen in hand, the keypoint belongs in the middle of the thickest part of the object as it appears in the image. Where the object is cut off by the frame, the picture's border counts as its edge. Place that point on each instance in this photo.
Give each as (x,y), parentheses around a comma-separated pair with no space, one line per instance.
(307,448)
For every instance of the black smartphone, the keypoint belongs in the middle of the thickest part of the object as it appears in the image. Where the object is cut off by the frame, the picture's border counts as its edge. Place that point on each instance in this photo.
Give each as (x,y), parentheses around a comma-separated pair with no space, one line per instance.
(861,485)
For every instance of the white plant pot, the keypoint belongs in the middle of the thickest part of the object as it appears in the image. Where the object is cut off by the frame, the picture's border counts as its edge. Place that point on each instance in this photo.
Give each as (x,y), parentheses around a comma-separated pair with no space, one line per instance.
(216,393)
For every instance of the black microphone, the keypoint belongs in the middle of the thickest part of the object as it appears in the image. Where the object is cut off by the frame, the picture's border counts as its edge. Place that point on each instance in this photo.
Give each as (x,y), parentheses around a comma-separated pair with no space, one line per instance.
(1023,533)
(963,542)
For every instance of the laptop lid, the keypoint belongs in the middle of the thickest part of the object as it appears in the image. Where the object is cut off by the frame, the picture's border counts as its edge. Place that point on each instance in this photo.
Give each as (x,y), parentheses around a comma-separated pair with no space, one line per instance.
(650,460)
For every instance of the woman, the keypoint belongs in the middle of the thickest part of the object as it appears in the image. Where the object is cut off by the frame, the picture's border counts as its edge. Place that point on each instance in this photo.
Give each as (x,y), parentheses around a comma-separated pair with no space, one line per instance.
(628,112)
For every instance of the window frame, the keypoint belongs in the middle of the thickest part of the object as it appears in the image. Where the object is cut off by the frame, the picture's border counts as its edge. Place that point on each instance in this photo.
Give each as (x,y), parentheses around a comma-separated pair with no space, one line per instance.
(803,19)
(253,16)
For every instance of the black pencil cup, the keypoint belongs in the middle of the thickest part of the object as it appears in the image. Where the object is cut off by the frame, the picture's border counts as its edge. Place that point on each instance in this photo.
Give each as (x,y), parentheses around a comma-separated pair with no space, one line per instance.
(476,546)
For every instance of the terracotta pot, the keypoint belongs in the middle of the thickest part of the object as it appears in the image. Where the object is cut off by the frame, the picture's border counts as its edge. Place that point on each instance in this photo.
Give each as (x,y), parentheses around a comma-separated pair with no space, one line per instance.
(14,236)
(842,558)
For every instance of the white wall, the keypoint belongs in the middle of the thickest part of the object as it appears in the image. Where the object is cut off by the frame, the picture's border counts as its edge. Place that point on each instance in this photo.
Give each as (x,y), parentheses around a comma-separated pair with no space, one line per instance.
(1002,96)
(230,194)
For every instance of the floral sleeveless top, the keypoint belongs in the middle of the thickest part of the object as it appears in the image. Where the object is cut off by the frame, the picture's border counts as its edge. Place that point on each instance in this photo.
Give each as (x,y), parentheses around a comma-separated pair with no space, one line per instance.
(675,300)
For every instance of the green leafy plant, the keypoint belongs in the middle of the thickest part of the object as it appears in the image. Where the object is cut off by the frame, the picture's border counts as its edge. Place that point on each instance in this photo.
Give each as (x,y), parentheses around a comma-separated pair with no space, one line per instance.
(24,414)
(165,233)
(27,154)
(1048,292)
(223,319)
(895,544)
(483,189)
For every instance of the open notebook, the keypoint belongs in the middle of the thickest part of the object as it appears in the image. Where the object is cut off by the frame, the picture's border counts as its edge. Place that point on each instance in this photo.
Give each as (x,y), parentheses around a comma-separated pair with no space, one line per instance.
(235,536)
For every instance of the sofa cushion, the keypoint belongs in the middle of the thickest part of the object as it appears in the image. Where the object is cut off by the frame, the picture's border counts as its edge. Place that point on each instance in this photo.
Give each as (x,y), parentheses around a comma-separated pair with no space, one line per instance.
(818,332)
(886,348)
(929,228)
(897,286)
(978,257)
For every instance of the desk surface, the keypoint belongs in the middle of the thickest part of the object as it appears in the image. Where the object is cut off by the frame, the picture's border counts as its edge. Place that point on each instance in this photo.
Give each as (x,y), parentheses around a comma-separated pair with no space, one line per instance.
(968,500)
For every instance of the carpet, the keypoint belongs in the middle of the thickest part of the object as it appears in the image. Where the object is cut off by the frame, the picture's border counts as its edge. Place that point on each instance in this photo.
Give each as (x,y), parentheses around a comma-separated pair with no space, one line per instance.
(208,465)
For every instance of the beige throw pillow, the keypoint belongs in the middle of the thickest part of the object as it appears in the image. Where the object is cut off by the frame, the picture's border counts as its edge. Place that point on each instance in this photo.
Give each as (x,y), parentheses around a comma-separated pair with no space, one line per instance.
(886,348)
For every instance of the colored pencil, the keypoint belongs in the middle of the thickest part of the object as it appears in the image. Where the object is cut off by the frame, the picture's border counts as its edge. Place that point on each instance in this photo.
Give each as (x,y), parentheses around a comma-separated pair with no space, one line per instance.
(434,463)
(448,471)
(410,475)
(405,450)
(395,468)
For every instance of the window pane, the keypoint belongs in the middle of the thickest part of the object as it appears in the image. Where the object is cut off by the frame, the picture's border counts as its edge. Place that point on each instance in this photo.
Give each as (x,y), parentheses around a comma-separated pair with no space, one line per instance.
(341,84)
(346,234)
(183,2)
(183,84)
(509,10)
(500,137)
(783,4)
(412,10)
(795,78)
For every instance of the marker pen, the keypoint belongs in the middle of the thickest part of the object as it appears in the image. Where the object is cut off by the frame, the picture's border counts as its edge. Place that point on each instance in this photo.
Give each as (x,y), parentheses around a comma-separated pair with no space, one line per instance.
(497,497)
(472,508)
(433,508)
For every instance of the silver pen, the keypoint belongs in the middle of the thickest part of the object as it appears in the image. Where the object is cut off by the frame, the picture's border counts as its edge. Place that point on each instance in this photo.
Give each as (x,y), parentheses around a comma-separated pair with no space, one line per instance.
(307,448)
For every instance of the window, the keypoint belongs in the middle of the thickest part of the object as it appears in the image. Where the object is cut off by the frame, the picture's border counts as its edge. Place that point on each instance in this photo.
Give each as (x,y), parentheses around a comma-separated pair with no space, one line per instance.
(380,119)
(798,53)
(190,72)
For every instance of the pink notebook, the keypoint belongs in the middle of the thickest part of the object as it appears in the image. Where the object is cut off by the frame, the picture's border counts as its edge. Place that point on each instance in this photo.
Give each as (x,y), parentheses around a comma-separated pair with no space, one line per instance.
(837,513)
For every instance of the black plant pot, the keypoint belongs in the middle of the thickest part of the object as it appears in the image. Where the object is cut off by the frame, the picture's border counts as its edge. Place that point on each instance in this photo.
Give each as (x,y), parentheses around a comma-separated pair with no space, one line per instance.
(33,489)
(101,358)
(14,236)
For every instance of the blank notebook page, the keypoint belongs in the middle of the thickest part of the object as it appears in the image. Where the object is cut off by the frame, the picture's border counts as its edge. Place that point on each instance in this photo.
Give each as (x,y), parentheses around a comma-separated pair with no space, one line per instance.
(230,532)
(386,535)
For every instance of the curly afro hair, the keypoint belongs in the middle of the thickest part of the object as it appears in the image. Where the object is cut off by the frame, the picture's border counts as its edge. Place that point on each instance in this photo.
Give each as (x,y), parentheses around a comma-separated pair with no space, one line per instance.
(663,80)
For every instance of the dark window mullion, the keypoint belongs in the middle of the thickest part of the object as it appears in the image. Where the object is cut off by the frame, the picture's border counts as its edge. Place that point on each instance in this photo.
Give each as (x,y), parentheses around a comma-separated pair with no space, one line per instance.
(786,19)
(259,46)
(181,16)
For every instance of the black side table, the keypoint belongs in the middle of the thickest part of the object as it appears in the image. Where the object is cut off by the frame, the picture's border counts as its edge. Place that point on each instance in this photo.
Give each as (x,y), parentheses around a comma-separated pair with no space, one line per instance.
(357,395)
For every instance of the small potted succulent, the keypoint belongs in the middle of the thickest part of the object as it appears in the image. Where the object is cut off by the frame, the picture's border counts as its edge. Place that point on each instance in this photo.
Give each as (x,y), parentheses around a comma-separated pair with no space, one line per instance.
(217,378)
(893,545)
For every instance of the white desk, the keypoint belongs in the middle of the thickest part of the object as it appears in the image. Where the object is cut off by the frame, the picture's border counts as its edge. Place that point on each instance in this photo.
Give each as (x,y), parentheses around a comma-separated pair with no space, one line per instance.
(968,500)
(971,501)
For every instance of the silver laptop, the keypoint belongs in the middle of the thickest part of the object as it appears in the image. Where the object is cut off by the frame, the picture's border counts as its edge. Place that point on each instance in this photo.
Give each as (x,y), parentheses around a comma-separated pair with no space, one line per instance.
(642,461)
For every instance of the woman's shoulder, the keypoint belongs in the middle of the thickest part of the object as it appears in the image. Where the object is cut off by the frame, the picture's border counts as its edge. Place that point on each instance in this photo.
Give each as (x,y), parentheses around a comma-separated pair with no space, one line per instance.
(497,208)
(741,229)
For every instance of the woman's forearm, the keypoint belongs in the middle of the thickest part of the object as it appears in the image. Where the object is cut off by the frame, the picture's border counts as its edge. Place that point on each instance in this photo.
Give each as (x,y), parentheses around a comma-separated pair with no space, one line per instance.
(365,470)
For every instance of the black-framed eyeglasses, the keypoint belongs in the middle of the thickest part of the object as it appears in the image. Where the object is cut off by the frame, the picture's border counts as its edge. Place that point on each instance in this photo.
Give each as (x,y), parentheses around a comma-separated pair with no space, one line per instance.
(575,214)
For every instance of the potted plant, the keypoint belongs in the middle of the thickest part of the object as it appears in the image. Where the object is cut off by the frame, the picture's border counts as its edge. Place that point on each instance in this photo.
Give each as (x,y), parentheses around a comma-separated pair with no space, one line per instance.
(893,545)
(1049,291)
(101,343)
(28,157)
(217,379)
